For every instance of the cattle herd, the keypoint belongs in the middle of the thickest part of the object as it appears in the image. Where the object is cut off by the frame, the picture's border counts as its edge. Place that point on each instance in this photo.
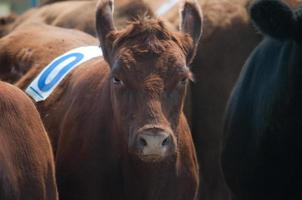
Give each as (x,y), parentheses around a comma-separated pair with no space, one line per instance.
(138,103)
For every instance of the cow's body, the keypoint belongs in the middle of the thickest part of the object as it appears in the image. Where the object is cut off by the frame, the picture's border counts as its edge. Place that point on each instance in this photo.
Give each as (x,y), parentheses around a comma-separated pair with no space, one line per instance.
(44,2)
(93,158)
(28,54)
(261,157)
(29,59)
(228,39)
(78,15)
(26,161)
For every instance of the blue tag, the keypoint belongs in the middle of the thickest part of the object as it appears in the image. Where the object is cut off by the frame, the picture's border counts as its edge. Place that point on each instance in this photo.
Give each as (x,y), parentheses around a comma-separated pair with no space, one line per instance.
(50,77)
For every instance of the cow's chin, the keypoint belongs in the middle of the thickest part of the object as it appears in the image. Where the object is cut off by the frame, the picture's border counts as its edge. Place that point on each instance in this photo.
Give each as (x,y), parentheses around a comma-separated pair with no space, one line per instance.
(154,159)
(151,158)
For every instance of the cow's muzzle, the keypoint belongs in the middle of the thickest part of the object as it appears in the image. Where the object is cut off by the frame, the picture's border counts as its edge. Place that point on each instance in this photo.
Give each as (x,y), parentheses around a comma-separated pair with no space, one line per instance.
(154,144)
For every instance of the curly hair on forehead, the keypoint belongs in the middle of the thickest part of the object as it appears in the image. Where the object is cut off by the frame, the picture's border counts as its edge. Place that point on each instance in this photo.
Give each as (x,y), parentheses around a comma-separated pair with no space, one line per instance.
(143,31)
(148,36)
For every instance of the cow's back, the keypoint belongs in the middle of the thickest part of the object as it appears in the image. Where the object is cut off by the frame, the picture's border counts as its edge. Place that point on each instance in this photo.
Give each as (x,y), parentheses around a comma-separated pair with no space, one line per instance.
(44,2)
(27,168)
(78,15)
(34,47)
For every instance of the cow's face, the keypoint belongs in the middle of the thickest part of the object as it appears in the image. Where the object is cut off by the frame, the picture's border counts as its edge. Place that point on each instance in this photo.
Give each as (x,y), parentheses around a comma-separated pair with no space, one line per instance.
(148,90)
(148,79)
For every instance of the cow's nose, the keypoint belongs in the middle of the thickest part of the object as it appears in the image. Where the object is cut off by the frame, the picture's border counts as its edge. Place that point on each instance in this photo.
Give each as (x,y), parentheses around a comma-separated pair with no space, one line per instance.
(154,144)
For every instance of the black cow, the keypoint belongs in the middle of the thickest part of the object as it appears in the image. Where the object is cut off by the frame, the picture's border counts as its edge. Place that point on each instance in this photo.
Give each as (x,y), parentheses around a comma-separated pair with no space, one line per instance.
(262,154)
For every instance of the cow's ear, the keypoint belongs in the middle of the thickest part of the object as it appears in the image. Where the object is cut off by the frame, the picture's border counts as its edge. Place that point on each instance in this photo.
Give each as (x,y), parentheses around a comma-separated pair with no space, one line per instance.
(191,23)
(273,18)
(105,27)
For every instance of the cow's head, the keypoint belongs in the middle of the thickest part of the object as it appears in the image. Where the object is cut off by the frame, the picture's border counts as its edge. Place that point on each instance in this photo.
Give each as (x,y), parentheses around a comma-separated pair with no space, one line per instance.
(149,77)
(274,18)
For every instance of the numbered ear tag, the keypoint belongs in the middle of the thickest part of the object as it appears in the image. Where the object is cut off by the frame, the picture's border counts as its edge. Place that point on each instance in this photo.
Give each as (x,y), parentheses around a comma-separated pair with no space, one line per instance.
(50,77)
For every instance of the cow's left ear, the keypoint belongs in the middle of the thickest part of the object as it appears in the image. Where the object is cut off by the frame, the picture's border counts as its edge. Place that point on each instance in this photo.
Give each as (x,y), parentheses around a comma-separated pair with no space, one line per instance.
(191,23)
(272,17)
(105,27)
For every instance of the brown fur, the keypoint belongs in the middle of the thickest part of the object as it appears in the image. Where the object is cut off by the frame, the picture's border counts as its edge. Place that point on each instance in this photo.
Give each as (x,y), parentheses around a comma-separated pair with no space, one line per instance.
(44,2)
(6,23)
(227,42)
(92,124)
(16,64)
(78,15)
(26,161)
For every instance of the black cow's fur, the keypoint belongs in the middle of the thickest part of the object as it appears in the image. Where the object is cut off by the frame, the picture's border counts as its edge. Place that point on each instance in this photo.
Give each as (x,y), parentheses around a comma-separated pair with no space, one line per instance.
(262,154)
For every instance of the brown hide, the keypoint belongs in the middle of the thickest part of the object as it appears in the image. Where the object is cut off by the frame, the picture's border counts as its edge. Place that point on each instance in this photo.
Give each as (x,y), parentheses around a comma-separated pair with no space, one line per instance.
(117,2)
(26,161)
(44,2)
(226,44)
(78,15)
(92,157)
(16,65)
(6,23)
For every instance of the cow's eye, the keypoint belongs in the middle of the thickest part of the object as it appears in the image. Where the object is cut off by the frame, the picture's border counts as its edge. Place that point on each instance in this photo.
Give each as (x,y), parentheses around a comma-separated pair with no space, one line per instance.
(117,81)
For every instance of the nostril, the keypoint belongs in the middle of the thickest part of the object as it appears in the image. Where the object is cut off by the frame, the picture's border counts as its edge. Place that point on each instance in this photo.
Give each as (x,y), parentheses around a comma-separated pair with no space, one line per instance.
(142,142)
(166,141)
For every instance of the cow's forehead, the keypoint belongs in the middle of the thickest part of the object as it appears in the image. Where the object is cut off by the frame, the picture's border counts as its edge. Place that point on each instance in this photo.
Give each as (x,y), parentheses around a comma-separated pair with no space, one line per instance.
(169,60)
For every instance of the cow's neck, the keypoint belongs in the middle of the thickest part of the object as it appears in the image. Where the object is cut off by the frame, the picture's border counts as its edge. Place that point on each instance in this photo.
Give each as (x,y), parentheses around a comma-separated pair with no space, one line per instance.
(149,181)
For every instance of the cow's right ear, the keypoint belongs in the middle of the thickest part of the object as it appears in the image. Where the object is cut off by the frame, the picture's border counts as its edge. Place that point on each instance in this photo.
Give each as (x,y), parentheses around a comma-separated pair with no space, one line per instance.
(105,27)
(192,24)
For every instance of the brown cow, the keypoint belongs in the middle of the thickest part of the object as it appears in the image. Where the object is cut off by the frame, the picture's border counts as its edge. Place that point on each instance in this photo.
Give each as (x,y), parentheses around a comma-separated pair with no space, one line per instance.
(26,161)
(119,130)
(78,15)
